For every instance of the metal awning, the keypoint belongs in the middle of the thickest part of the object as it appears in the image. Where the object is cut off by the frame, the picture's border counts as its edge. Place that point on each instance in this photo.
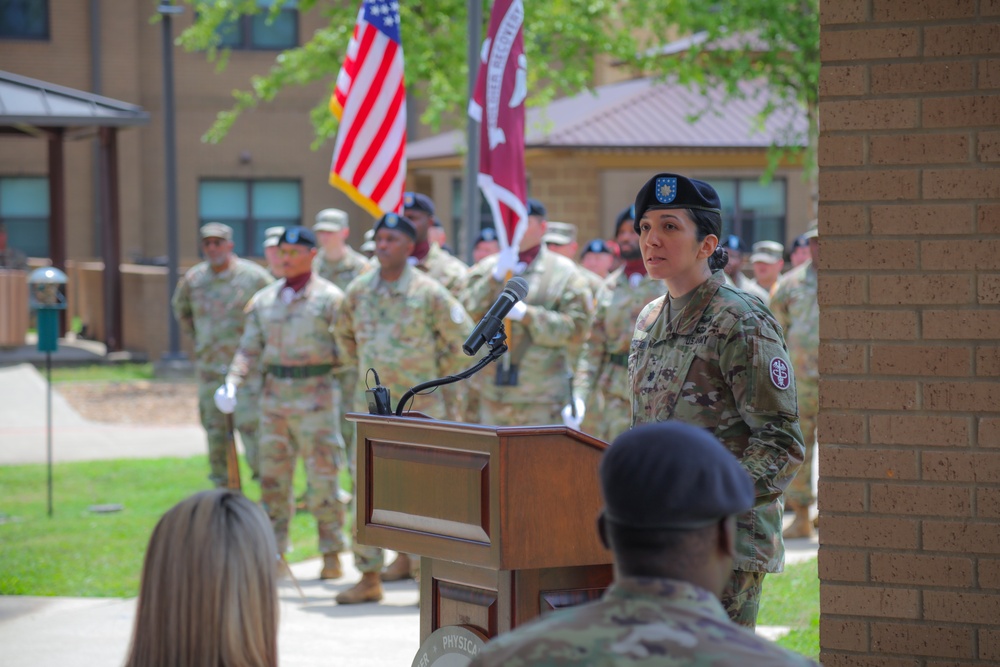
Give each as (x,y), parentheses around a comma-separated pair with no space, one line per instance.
(34,108)
(27,102)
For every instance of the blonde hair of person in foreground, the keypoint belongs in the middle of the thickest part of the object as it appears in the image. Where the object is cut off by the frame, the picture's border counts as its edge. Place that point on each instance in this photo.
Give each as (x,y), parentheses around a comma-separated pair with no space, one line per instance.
(208,596)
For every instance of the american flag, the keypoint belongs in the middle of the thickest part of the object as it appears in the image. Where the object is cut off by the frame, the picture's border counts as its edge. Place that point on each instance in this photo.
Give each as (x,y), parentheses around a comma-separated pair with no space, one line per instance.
(369,158)
(498,105)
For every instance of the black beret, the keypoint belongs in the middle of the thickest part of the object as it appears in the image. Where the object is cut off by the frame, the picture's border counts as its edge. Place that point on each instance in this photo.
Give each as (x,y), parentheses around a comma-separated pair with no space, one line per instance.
(800,242)
(398,223)
(675,191)
(672,476)
(733,243)
(597,245)
(418,202)
(487,234)
(628,213)
(298,236)
(536,207)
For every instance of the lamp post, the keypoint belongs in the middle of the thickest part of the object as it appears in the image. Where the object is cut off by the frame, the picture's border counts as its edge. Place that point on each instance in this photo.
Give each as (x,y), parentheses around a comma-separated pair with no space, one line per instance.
(470,195)
(167,10)
(47,296)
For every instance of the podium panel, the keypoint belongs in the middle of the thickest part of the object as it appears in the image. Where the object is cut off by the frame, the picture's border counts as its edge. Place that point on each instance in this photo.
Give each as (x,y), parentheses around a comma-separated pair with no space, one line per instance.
(503,518)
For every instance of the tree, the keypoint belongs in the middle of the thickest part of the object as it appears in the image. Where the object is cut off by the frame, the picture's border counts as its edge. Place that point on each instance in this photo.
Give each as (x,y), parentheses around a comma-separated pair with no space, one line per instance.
(734,41)
(570,33)
(730,41)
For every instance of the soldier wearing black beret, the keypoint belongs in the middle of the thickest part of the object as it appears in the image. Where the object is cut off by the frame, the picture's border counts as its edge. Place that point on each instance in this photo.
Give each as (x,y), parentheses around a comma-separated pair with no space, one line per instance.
(711,355)
(672,495)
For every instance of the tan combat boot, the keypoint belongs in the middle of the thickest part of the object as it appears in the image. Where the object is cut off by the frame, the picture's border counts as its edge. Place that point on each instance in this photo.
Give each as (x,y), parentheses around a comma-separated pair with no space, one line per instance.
(802,526)
(398,570)
(331,567)
(369,589)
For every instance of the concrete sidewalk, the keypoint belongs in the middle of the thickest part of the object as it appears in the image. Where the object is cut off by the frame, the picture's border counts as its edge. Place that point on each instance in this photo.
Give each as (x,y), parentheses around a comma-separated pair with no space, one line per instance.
(92,632)
(23,431)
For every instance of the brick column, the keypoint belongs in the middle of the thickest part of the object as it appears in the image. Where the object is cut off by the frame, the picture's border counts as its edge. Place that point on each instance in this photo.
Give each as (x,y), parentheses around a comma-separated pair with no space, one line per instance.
(909,490)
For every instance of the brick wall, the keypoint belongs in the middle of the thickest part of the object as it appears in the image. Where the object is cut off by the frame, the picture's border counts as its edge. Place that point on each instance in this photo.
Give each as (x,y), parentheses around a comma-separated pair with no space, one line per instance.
(909,489)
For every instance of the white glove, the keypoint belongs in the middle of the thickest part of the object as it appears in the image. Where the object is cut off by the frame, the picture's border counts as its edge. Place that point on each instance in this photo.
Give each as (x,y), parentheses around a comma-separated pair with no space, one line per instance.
(567,414)
(517,311)
(506,263)
(225,398)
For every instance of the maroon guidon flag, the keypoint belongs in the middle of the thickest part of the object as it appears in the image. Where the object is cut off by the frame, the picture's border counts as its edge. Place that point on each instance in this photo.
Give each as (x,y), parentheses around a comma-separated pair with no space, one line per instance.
(498,104)
(369,158)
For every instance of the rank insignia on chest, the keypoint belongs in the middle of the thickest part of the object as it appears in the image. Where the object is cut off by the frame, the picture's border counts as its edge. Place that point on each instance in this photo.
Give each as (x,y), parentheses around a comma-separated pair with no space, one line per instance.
(666,189)
(780,375)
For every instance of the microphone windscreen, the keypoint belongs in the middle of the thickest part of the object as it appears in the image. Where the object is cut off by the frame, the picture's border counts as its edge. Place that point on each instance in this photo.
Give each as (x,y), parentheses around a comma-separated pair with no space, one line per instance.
(519,286)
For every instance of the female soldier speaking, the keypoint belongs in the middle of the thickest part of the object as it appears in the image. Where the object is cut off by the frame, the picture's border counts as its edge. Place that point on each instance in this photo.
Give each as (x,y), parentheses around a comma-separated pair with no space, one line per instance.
(712,355)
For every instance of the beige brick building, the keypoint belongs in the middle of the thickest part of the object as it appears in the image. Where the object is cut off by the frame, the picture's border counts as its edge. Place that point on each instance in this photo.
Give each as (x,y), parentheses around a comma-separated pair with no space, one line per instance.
(909,490)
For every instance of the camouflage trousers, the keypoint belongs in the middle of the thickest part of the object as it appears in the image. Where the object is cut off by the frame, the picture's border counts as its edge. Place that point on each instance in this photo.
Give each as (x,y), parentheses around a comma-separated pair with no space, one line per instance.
(246,420)
(313,436)
(495,413)
(741,597)
(800,492)
(614,418)
(344,397)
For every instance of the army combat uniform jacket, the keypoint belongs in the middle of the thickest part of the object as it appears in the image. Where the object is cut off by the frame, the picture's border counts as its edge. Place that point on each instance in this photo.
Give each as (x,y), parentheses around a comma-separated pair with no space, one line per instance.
(555,325)
(344,270)
(209,308)
(640,622)
(602,372)
(410,331)
(283,337)
(722,364)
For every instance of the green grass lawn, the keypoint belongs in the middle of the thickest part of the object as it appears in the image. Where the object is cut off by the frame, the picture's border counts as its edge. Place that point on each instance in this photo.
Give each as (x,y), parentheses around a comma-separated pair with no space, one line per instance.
(103,373)
(83,554)
(792,598)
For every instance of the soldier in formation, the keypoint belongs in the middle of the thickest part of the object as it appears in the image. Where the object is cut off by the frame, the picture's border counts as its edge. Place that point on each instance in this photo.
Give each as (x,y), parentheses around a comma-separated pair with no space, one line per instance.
(531,383)
(289,332)
(796,309)
(672,497)
(767,259)
(713,356)
(599,258)
(271,256)
(11,258)
(208,303)
(602,373)
(339,263)
(409,329)
(734,269)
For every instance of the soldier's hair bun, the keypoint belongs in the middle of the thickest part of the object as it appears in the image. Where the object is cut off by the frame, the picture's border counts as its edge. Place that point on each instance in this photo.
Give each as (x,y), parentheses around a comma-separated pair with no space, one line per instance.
(718,259)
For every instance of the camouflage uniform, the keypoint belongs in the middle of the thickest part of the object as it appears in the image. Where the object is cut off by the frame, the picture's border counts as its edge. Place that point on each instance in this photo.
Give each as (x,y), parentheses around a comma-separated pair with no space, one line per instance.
(351,265)
(410,331)
(602,373)
(643,622)
(555,326)
(209,308)
(452,273)
(447,269)
(13,259)
(750,286)
(796,309)
(721,364)
(294,343)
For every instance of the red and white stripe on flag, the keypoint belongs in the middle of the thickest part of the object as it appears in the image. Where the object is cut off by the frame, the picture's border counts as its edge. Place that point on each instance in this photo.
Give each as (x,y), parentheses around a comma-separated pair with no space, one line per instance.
(498,104)
(369,157)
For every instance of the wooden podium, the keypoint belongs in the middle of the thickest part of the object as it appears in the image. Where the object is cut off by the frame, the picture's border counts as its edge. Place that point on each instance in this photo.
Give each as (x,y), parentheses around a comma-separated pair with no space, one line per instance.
(503,518)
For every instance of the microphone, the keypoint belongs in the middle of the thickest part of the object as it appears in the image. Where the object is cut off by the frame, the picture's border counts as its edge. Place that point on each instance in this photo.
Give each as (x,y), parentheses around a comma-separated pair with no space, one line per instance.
(515,290)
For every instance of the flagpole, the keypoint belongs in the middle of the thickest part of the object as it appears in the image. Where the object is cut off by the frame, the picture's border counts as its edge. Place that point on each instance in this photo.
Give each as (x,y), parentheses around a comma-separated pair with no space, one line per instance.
(470,193)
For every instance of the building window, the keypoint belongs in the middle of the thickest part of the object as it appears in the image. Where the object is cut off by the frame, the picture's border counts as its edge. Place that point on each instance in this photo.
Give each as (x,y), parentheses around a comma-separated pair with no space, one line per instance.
(24,19)
(261,31)
(751,210)
(250,207)
(24,212)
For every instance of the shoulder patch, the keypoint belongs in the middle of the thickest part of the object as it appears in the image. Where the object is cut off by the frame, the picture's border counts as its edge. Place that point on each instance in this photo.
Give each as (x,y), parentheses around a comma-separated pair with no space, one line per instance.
(781,376)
